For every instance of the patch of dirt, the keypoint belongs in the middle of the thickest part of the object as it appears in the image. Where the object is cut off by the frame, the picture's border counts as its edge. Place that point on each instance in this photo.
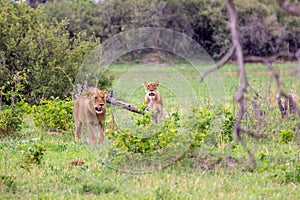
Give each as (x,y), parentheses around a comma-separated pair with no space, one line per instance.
(77,163)
(211,162)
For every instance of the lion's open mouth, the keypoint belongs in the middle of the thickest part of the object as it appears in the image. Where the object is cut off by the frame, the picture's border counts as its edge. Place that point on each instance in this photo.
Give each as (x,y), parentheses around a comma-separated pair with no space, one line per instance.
(151,94)
(98,110)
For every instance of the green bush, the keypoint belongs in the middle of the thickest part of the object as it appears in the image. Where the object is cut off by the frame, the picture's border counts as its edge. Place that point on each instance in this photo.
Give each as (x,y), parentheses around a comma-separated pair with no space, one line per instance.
(54,115)
(146,137)
(139,140)
(212,126)
(12,116)
(41,48)
(286,136)
(33,155)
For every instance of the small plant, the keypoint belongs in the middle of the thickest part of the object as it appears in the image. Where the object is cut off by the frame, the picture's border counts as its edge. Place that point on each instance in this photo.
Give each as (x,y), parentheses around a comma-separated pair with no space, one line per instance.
(289,172)
(97,189)
(162,193)
(7,184)
(201,121)
(286,136)
(33,155)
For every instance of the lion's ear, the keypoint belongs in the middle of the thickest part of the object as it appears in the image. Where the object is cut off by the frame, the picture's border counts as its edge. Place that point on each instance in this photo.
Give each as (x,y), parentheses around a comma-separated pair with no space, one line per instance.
(104,91)
(157,83)
(145,84)
(89,93)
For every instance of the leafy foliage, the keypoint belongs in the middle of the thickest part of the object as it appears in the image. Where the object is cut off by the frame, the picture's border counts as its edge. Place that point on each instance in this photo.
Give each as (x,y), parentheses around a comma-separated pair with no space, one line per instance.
(12,116)
(286,136)
(210,126)
(146,136)
(33,155)
(40,48)
(54,114)
(265,28)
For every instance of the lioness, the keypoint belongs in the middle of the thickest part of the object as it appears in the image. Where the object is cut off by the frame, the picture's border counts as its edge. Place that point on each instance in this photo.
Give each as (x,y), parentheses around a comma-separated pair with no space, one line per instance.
(154,100)
(90,109)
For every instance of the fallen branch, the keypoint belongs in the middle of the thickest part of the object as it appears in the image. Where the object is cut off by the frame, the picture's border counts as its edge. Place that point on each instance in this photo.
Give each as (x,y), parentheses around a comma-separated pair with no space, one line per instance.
(110,99)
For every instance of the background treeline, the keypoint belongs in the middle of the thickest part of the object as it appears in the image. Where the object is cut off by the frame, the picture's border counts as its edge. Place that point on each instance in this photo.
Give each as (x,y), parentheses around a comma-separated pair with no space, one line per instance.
(265,28)
(48,44)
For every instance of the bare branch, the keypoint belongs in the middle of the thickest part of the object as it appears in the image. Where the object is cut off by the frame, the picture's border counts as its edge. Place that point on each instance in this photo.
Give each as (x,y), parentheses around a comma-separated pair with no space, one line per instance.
(238,50)
(220,64)
(289,98)
(270,59)
(251,133)
(294,10)
(110,99)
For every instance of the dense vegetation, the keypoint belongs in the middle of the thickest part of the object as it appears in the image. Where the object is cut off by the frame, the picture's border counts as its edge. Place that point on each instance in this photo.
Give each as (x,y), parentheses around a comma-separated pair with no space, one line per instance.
(49,43)
(41,51)
(265,28)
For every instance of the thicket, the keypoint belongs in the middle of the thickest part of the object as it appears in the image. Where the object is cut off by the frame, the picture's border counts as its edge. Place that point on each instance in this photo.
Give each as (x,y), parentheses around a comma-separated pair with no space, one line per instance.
(49,43)
(265,28)
(41,48)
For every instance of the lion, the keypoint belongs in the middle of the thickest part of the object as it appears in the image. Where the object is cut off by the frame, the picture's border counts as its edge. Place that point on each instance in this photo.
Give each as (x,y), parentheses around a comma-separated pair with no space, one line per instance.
(154,100)
(90,109)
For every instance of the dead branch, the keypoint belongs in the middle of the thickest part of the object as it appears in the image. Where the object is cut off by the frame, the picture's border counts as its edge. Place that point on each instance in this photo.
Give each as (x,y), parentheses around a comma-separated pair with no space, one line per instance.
(252,134)
(110,99)
(220,64)
(270,59)
(294,10)
(240,95)
(240,61)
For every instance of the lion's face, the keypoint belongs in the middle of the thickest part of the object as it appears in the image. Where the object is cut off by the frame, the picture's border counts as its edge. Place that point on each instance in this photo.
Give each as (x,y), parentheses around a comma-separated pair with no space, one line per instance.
(151,89)
(98,100)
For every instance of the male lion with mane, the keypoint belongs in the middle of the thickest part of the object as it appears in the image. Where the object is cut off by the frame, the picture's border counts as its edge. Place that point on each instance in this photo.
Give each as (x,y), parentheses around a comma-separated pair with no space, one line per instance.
(90,109)
(154,100)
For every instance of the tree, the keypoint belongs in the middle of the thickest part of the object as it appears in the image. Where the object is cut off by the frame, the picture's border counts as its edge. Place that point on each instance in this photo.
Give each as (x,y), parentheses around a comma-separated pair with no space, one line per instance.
(41,49)
(244,88)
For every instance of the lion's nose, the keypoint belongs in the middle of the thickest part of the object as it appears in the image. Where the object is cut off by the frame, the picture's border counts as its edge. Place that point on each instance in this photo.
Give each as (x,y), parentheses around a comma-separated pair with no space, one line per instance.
(151,90)
(101,104)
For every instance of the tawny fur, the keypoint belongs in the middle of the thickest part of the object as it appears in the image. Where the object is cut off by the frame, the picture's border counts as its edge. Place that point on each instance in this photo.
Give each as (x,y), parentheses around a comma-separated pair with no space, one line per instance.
(90,109)
(154,100)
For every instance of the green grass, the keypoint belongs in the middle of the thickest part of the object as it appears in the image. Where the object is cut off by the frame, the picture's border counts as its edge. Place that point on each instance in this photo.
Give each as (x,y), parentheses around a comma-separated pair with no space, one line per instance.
(209,172)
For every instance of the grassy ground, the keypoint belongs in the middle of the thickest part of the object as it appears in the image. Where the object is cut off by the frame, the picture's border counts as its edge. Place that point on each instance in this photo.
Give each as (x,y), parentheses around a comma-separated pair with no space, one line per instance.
(55,167)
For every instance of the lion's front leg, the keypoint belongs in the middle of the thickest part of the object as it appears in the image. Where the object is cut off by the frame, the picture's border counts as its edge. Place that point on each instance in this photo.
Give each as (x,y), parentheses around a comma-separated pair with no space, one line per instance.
(78,126)
(101,132)
(91,133)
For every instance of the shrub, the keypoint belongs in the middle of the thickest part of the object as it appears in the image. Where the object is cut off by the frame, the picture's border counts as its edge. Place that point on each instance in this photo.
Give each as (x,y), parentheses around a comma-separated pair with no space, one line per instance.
(33,155)
(139,140)
(12,116)
(211,126)
(286,136)
(42,49)
(54,115)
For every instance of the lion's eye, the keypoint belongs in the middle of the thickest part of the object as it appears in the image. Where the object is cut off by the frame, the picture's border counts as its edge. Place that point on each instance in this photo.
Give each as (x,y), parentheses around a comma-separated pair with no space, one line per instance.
(96,98)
